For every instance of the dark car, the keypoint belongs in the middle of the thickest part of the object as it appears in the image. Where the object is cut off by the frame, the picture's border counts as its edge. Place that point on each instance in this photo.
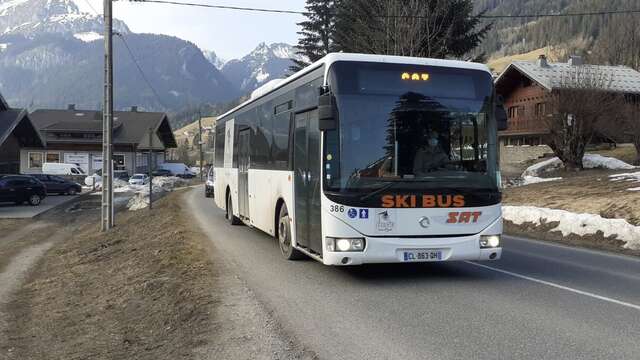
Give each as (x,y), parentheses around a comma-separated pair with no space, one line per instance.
(19,188)
(162,172)
(58,185)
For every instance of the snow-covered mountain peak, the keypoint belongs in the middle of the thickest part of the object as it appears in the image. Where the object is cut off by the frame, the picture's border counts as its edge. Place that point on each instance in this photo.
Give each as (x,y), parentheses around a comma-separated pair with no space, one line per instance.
(30,17)
(266,62)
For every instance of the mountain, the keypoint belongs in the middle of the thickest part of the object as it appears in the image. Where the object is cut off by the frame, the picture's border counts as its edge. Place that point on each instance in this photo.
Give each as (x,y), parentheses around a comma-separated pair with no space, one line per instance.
(264,63)
(35,17)
(214,59)
(571,35)
(51,55)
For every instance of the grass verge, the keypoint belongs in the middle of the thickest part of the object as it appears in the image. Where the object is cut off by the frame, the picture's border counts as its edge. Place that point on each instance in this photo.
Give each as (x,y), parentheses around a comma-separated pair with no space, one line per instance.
(141,291)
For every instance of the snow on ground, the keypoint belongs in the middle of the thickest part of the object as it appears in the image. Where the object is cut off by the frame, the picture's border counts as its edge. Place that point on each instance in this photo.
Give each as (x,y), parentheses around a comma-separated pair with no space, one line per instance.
(631,177)
(160,185)
(88,36)
(572,223)
(590,161)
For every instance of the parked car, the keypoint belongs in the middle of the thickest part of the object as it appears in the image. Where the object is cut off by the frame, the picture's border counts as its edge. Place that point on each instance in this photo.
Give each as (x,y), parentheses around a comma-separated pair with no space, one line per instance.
(208,185)
(21,188)
(179,170)
(97,177)
(162,172)
(58,185)
(62,169)
(139,179)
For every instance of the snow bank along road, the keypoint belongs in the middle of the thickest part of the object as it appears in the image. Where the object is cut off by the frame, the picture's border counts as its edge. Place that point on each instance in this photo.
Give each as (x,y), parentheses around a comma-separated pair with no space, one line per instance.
(542,301)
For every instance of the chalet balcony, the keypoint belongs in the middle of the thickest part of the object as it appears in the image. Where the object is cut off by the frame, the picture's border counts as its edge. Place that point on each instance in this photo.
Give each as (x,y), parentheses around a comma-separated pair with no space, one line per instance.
(525,125)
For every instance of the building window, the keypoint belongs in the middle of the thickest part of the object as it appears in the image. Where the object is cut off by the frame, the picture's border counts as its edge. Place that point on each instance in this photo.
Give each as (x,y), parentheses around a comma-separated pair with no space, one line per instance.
(541,109)
(118,162)
(35,160)
(53,157)
(516,111)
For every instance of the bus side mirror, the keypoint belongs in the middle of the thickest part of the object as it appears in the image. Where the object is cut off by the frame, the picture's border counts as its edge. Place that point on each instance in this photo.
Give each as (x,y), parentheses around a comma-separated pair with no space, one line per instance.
(501,118)
(326,112)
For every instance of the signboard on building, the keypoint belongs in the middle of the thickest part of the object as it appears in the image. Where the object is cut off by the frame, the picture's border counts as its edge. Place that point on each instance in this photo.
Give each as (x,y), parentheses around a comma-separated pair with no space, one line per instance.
(80,159)
(96,162)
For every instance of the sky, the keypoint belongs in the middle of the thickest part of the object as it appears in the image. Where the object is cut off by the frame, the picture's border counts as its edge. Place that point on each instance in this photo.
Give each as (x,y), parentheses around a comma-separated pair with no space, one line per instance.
(231,34)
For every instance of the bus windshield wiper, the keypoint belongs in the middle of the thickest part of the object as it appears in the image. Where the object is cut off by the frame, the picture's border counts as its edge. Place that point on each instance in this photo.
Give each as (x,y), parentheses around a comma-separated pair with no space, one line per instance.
(377,191)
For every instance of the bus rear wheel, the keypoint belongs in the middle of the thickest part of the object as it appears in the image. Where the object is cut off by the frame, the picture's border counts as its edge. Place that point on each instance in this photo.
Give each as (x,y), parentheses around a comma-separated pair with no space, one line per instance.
(284,236)
(233,220)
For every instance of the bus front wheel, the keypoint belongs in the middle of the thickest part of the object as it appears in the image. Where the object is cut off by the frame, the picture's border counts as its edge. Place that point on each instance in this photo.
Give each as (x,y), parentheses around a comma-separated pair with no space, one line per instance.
(284,236)
(233,220)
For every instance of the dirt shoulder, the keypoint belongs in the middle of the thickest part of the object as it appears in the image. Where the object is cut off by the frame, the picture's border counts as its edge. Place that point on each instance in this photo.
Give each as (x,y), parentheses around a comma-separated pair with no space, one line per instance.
(150,289)
(589,191)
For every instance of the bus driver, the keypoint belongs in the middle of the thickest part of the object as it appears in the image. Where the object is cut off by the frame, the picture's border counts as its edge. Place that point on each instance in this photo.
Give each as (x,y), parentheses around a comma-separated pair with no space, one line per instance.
(430,156)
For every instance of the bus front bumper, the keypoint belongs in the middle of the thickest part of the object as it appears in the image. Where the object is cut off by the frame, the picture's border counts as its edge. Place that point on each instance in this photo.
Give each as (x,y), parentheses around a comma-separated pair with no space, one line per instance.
(403,249)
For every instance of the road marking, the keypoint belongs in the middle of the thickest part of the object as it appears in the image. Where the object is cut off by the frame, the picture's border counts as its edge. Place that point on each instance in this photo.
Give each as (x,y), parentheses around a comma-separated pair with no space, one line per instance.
(558,286)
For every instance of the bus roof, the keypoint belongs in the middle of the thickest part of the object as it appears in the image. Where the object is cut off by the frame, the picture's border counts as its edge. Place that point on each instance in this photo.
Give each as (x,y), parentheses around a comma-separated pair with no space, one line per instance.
(391,59)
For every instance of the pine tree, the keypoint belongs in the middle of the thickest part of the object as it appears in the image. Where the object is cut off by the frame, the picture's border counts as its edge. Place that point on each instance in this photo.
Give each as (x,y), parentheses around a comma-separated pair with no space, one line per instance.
(316,34)
(421,28)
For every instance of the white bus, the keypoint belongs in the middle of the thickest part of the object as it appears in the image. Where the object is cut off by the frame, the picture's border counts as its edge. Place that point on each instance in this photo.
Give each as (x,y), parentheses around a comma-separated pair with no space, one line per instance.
(368,159)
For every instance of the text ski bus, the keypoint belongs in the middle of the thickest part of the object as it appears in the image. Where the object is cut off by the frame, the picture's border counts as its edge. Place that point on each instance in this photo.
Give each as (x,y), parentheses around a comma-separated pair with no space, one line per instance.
(368,159)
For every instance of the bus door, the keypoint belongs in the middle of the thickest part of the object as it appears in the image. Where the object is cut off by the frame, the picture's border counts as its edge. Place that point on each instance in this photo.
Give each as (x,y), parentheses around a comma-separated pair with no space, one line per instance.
(306,160)
(243,172)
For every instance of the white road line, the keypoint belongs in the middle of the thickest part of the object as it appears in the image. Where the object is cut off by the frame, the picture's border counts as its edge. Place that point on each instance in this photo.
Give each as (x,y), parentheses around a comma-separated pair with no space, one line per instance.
(558,286)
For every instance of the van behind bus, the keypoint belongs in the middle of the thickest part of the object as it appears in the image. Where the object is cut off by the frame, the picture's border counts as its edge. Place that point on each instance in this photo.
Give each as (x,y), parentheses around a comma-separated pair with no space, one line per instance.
(61,169)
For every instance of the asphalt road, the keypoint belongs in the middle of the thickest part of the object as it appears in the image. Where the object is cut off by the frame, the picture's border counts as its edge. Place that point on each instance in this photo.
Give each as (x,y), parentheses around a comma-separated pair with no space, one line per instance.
(541,301)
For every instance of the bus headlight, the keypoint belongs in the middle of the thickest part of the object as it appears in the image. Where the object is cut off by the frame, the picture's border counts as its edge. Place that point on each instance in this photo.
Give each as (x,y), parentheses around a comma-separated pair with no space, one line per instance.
(489,241)
(344,244)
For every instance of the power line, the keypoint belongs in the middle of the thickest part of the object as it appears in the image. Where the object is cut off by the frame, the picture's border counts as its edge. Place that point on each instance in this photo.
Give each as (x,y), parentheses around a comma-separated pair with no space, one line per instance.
(225,7)
(589,13)
(133,58)
(92,8)
(284,11)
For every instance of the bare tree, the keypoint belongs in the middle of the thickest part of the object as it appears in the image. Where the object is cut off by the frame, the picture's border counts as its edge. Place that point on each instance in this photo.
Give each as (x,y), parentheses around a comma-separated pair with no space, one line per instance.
(581,103)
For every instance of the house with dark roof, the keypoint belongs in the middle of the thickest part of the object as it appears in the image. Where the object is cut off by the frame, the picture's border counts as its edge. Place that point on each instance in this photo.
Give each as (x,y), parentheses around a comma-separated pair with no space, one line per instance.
(528,88)
(75,136)
(16,132)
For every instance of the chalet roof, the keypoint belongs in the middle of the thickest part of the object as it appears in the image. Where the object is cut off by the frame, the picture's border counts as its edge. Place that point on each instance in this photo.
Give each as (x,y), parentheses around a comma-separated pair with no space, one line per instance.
(553,76)
(130,127)
(17,122)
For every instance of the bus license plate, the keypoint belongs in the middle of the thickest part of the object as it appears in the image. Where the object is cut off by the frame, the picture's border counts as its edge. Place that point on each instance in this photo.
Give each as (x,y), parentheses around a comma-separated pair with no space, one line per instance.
(421,255)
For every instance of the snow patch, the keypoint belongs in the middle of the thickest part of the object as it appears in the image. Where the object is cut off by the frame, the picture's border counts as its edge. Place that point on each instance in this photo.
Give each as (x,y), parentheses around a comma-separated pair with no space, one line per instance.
(5,6)
(590,161)
(88,36)
(160,185)
(261,76)
(572,223)
(4,46)
(174,93)
(630,177)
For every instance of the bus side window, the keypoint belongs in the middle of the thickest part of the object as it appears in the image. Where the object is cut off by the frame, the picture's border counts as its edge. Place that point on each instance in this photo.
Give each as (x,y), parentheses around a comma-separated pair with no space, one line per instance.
(280,149)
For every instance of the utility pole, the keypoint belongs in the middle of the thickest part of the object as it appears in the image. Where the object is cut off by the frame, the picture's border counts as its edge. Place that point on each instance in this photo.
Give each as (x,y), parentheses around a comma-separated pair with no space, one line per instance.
(149,162)
(107,121)
(201,153)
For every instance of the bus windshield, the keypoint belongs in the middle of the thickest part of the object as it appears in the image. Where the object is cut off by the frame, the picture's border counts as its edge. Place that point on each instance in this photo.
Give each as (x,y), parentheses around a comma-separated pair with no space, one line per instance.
(411,127)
